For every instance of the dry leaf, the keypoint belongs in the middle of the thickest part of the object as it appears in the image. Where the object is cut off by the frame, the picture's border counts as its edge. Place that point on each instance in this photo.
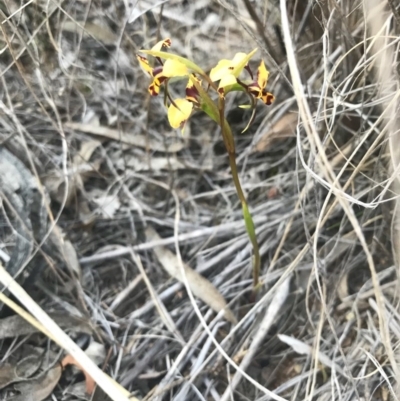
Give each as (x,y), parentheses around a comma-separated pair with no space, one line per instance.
(55,185)
(79,171)
(343,287)
(200,286)
(78,391)
(67,251)
(97,353)
(304,349)
(135,140)
(272,193)
(162,310)
(14,326)
(43,322)
(156,164)
(71,258)
(25,362)
(90,383)
(38,389)
(7,375)
(285,127)
(108,205)
(86,152)
(102,33)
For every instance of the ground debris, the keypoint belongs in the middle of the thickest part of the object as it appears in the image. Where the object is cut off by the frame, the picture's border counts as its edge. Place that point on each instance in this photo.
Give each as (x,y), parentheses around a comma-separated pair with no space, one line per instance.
(89,166)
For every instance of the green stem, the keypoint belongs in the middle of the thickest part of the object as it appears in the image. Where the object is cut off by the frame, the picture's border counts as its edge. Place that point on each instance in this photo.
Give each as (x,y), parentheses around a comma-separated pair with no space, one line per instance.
(217,114)
(248,219)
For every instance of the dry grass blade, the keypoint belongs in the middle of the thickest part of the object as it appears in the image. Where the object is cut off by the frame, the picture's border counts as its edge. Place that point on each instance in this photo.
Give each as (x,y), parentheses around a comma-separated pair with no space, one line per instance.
(270,317)
(140,141)
(304,349)
(99,32)
(125,292)
(199,285)
(46,325)
(335,188)
(162,310)
(377,19)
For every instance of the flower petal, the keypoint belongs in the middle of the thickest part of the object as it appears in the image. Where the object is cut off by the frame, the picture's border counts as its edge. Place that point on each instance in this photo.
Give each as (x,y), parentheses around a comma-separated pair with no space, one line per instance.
(262,75)
(144,64)
(174,68)
(240,61)
(154,88)
(257,87)
(192,94)
(170,56)
(221,69)
(227,80)
(238,58)
(267,98)
(233,67)
(158,80)
(177,117)
(162,43)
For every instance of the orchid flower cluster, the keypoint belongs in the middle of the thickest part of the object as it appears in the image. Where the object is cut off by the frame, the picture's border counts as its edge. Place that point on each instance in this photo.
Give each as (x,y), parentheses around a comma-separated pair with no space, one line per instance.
(198,96)
(227,72)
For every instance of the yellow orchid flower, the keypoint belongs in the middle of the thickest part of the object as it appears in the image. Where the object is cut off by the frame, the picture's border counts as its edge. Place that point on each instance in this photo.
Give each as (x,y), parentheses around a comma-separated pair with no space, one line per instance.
(260,83)
(257,87)
(162,43)
(227,71)
(174,68)
(171,68)
(179,112)
(144,63)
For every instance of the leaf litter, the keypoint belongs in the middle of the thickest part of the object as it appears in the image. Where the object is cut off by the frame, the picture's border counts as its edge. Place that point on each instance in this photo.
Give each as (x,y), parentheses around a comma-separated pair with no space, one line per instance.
(38,389)
(200,286)
(33,372)
(76,109)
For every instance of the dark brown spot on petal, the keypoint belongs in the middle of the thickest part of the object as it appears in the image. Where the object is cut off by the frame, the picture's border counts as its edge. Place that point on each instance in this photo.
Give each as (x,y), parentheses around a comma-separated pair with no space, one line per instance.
(144,64)
(159,79)
(255,90)
(268,98)
(192,94)
(154,89)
